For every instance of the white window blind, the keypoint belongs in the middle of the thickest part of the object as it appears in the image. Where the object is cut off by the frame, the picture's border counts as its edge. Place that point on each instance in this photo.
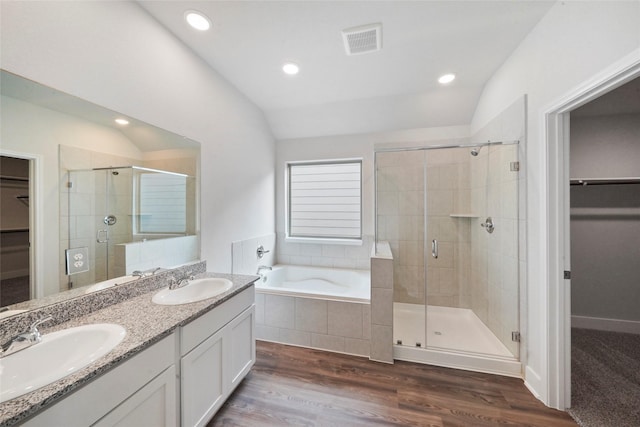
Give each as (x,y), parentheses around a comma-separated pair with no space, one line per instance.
(325,200)
(162,203)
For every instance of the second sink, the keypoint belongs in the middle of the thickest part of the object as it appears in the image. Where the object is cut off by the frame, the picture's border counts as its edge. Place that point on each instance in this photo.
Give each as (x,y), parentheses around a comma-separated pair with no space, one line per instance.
(196,290)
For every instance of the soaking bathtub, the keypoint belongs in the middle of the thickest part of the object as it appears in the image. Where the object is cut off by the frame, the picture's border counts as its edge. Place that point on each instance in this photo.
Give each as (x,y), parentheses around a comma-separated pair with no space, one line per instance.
(335,284)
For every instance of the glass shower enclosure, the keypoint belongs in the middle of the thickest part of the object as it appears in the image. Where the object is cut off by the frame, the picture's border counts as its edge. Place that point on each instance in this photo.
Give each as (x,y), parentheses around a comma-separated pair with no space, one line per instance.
(450,215)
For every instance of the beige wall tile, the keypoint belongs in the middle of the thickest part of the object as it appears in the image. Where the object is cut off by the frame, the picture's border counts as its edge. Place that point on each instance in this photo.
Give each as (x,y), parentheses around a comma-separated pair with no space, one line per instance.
(345,319)
(267,333)
(358,347)
(382,306)
(294,337)
(328,342)
(311,315)
(279,311)
(382,343)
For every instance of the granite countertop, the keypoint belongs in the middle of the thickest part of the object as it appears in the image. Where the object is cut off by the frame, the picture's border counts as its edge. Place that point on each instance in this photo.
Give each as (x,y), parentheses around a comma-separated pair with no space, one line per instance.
(146,323)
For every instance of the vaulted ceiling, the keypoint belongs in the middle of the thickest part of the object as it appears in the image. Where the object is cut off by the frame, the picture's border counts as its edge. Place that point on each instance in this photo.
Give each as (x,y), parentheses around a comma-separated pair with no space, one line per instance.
(391,89)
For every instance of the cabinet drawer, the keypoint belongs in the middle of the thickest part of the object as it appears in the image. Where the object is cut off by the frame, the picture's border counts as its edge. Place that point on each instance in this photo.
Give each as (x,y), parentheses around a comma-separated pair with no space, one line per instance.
(200,329)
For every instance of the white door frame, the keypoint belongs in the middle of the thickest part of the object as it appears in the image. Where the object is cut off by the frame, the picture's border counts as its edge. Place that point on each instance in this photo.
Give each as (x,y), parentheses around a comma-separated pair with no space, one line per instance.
(556,129)
(36,255)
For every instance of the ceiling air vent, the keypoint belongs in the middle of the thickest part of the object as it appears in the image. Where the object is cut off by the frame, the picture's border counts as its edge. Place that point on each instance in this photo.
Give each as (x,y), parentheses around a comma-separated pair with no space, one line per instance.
(363,39)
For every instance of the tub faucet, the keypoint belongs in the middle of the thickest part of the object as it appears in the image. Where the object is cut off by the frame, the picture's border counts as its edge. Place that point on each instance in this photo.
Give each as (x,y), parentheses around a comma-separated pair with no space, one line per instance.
(261,274)
(178,283)
(24,340)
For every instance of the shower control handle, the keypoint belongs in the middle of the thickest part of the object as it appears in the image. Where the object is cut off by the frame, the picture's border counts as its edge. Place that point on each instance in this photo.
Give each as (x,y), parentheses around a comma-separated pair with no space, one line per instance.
(488,225)
(434,248)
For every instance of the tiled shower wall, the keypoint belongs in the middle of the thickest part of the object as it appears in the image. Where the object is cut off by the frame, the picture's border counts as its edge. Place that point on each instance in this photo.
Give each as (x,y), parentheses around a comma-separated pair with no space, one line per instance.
(498,259)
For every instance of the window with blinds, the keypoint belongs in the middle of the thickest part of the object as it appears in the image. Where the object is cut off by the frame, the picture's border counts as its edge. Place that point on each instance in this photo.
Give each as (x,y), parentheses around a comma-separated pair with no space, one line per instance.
(325,199)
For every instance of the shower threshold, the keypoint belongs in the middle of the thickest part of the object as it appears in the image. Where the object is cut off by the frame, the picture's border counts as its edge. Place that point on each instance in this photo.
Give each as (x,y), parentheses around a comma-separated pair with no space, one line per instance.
(455,337)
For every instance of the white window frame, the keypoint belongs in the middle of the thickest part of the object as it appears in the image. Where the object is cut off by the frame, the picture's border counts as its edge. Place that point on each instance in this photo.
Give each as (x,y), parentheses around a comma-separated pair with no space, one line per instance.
(345,240)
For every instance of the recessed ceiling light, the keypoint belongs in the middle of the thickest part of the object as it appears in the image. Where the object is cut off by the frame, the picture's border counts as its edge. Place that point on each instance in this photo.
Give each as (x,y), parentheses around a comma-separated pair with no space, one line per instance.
(197,20)
(122,122)
(447,78)
(290,68)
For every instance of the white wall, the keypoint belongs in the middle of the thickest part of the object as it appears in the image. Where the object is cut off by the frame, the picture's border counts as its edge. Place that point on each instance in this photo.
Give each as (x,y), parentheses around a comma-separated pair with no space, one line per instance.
(571,44)
(115,55)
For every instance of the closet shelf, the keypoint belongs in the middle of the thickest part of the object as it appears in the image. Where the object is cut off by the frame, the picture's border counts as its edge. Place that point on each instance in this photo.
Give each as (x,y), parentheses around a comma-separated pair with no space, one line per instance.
(605,181)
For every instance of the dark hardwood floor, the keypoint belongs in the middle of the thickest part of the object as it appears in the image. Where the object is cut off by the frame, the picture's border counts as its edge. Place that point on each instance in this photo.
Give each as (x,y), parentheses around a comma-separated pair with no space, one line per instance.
(304,387)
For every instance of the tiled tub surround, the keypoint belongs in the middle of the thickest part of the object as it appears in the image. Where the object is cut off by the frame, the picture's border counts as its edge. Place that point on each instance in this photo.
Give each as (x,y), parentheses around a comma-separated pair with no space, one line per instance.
(338,326)
(316,318)
(145,322)
(324,254)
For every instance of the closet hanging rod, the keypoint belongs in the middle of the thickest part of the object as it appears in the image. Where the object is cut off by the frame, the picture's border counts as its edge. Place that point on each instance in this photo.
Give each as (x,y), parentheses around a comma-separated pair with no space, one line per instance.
(605,181)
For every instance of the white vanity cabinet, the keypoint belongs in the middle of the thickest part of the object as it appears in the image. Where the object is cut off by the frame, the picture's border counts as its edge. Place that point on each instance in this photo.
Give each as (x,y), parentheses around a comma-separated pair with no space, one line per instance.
(217,352)
(141,391)
(181,380)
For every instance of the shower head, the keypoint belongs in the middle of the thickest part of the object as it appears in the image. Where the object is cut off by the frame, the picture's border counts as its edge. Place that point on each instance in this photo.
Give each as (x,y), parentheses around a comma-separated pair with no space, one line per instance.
(475,151)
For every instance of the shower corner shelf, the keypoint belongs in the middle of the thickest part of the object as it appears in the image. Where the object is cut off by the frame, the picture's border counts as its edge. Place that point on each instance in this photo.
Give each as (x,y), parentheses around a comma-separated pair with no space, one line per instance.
(463,215)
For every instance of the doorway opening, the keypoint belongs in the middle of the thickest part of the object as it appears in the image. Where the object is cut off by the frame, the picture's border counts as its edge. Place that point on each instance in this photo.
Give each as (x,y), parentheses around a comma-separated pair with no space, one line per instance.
(15,229)
(558,222)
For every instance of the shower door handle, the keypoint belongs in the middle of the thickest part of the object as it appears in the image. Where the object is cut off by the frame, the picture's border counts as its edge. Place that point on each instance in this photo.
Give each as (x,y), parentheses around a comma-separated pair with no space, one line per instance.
(102,236)
(434,248)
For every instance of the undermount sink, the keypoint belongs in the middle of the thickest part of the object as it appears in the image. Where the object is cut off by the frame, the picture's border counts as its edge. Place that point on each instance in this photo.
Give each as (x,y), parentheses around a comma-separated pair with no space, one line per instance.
(59,354)
(196,290)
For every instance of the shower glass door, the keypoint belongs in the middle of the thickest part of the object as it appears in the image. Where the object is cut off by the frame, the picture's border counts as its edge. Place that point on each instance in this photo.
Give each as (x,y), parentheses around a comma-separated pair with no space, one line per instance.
(472,258)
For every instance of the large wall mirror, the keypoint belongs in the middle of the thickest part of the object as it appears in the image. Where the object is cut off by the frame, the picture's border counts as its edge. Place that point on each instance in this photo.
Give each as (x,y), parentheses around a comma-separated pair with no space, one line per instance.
(98,195)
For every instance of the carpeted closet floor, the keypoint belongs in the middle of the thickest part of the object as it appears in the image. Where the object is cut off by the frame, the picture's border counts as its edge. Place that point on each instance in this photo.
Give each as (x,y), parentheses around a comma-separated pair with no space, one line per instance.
(605,378)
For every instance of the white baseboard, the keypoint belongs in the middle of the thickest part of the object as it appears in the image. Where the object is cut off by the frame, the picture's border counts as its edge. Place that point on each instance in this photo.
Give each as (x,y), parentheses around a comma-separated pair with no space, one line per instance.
(601,324)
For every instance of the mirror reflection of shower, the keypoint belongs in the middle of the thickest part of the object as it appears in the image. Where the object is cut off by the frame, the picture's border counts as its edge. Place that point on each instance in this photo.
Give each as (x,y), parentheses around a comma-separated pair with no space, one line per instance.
(122,205)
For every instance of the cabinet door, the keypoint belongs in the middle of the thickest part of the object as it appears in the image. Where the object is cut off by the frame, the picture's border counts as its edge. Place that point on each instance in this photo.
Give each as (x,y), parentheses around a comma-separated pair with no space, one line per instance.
(203,381)
(154,405)
(242,346)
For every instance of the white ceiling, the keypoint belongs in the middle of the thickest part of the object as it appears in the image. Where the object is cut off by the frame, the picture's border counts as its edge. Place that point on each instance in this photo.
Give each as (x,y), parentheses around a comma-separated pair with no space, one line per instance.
(392,89)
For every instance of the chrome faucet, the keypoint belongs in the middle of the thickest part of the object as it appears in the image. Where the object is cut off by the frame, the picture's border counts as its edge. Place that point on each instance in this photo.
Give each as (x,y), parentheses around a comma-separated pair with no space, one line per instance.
(261,274)
(178,283)
(24,340)
(145,273)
